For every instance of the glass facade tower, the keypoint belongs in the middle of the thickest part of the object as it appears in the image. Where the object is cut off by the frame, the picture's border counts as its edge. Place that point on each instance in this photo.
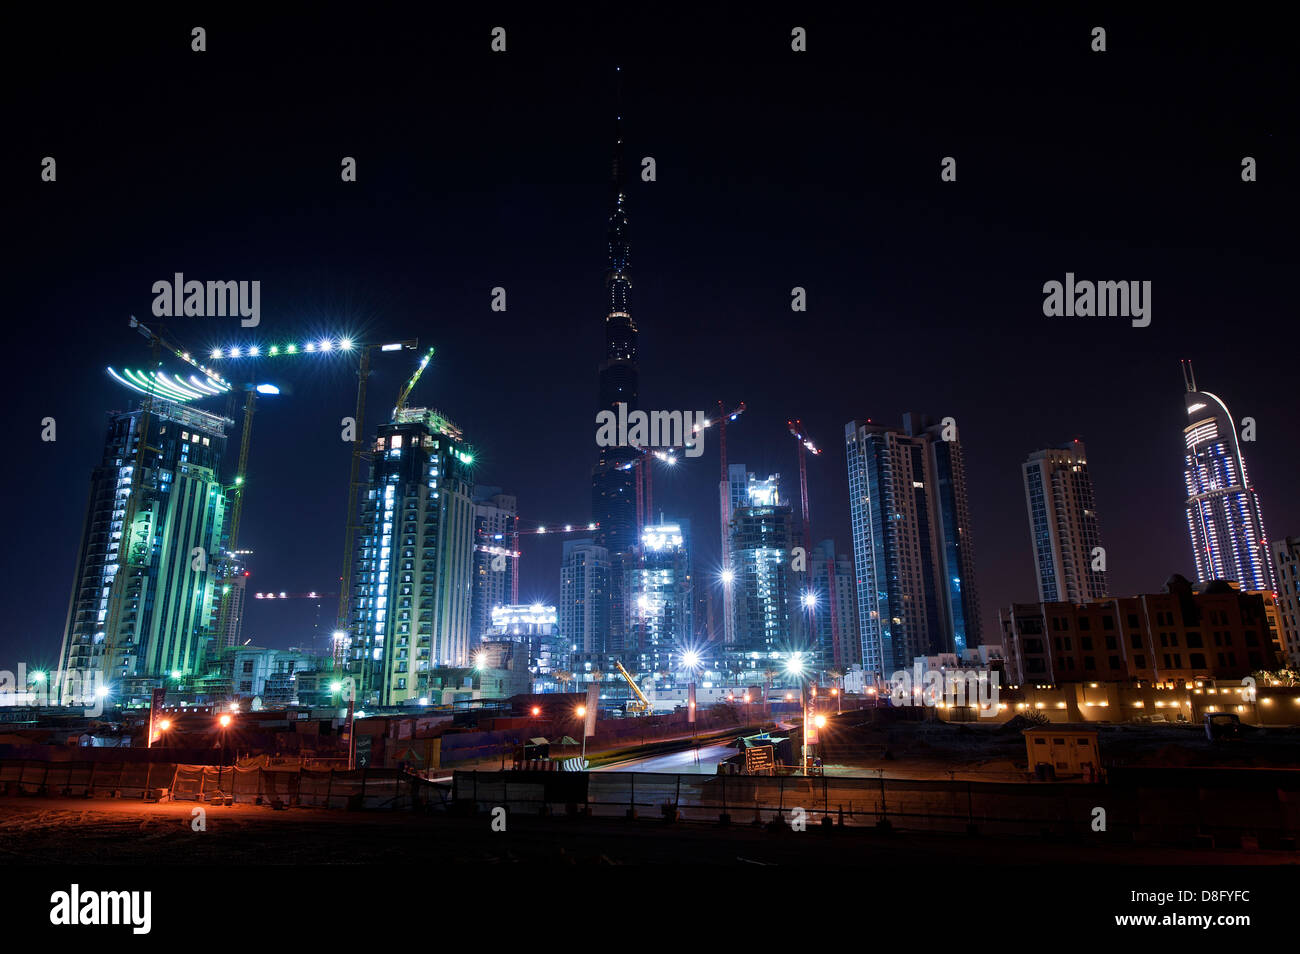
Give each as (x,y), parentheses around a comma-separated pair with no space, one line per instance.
(1224,519)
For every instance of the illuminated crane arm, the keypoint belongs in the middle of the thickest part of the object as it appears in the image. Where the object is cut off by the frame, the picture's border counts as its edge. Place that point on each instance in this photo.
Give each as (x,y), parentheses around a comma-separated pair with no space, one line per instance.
(644,705)
(410,385)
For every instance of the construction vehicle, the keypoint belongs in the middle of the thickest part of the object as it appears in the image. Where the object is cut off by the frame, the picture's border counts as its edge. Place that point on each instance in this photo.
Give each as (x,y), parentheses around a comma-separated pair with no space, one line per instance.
(640,705)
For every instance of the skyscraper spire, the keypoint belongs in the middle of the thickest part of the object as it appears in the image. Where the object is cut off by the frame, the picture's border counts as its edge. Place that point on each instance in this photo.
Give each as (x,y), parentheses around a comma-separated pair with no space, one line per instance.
(613,489)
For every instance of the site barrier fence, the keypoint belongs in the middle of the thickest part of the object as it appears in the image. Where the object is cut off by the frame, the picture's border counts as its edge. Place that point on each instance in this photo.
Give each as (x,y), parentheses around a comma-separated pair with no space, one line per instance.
(315,788)
(1260,810)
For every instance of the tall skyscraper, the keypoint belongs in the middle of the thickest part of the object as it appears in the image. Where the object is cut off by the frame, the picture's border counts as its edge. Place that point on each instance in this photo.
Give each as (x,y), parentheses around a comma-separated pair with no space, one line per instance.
(414,561)
(1223,512)
(660,597)
(584,597)
(494,569)
(764,602)
(912,546)
(233,573)
(1286,561)
(835,637)
(613,490)
(1063,524)
(143,604)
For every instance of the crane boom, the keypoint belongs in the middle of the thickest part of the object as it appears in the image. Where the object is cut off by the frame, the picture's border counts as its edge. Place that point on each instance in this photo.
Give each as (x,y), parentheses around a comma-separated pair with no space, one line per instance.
(806,446)
(643,705)
(410,384)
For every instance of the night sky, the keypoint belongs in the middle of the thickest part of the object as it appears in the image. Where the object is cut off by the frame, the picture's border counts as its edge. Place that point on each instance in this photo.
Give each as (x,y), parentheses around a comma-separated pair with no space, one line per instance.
(775,169)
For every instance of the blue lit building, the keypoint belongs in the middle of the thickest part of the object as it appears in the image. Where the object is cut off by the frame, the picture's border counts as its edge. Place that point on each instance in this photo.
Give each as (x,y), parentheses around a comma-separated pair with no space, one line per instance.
(584,598)
(1063,524)
(494,523)
(142,607)
(1223,513)
(764,602)
(660,598)
(912,546)
(835,639)
(413,572)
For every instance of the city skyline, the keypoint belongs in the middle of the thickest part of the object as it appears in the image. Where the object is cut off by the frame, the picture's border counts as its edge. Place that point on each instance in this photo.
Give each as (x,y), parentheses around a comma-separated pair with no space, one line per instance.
(696,348)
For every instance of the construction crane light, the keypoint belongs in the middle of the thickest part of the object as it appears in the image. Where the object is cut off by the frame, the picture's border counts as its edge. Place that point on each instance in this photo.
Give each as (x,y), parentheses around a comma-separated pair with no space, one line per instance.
(391,347)
(267,389)
(326,344)
(346,344)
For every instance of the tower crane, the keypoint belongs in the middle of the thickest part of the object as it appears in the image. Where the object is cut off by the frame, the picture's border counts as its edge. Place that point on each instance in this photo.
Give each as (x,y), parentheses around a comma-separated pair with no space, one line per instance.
(643,479)
(806,447)
(514,553)
(342,345)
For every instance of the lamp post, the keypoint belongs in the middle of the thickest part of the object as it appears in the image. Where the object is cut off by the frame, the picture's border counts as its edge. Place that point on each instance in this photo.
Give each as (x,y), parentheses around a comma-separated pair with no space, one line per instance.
(224,722)
(581,712)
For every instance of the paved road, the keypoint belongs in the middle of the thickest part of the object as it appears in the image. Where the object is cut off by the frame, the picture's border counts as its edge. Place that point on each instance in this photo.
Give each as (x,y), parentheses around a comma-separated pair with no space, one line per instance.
(683,762)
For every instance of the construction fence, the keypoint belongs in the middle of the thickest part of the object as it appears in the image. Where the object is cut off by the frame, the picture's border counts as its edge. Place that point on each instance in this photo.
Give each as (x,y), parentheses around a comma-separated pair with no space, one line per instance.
(259,785)
(1267,813)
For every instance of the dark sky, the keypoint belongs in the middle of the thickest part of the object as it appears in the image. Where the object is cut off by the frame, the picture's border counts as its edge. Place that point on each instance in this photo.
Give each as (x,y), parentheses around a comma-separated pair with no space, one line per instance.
(775,169)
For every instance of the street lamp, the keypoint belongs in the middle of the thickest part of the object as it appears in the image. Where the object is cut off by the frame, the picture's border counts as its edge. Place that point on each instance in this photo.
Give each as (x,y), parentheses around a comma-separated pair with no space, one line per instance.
(224,721)
(582,714)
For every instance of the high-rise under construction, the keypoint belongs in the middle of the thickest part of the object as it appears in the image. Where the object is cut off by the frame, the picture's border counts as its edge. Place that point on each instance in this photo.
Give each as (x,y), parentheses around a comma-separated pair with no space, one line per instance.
(413,571)
(144,597)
